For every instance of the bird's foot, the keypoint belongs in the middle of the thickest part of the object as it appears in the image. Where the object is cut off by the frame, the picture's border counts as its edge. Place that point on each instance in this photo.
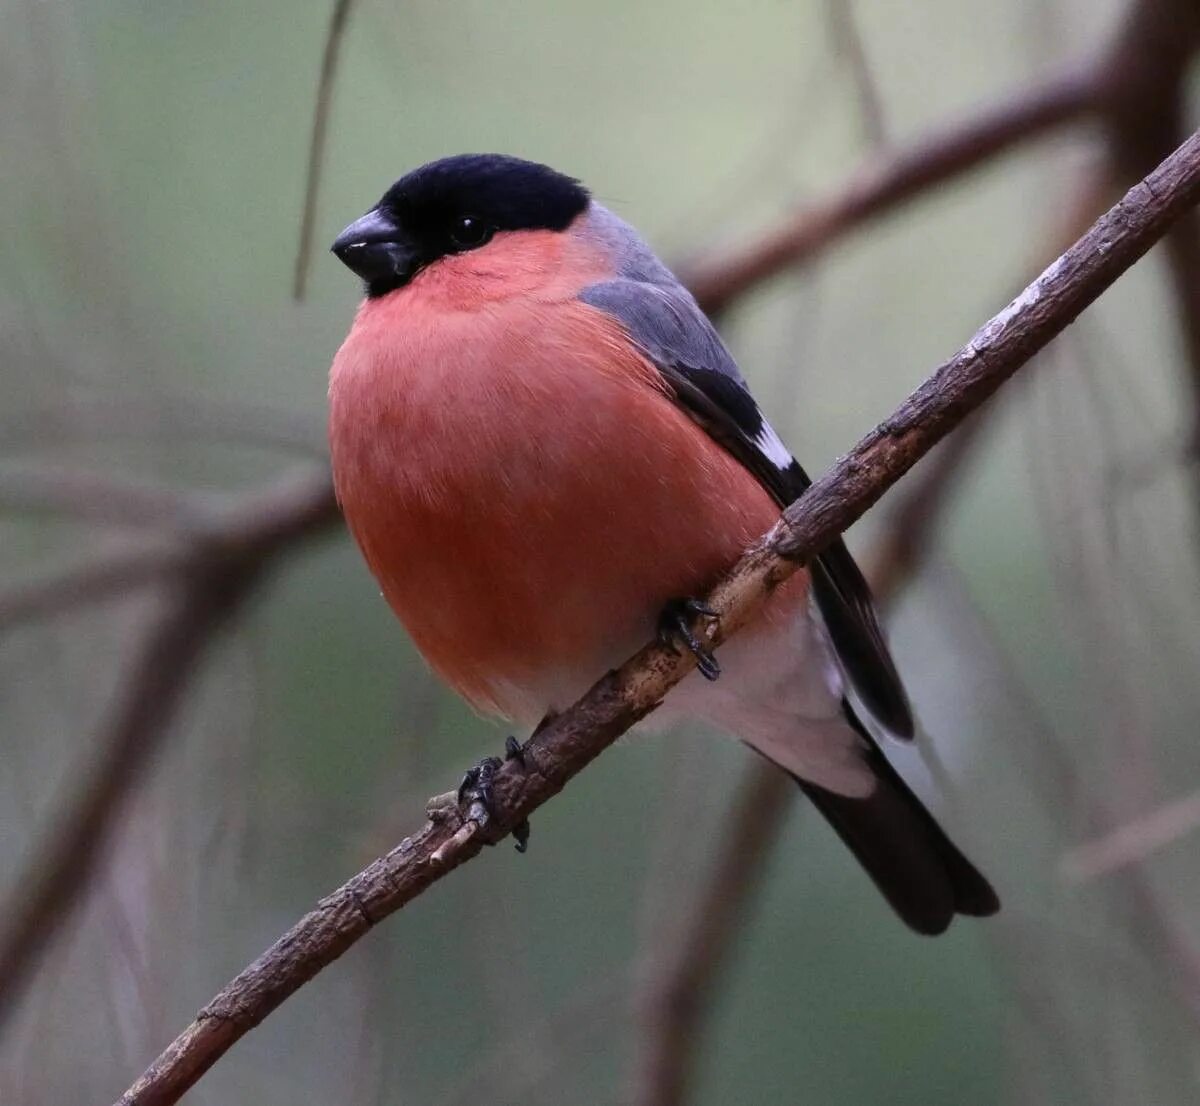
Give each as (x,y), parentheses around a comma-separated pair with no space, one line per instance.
(675,626)
(476,796)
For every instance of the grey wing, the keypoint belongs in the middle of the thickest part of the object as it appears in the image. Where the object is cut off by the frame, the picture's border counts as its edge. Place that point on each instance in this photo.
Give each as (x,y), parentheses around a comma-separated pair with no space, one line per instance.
(670,328)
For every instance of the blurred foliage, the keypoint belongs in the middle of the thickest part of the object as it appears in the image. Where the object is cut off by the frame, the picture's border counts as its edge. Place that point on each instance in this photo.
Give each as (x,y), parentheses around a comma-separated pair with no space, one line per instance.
(151,178)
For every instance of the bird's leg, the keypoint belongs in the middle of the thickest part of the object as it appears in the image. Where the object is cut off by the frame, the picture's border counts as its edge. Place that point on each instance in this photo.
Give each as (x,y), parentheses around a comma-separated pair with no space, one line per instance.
(675,626)
(476,790)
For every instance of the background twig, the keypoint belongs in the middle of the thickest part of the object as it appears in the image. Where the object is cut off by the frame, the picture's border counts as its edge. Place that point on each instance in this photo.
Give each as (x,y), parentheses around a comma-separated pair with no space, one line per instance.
(563,747)
(226,563)
(885,181)
(316,144)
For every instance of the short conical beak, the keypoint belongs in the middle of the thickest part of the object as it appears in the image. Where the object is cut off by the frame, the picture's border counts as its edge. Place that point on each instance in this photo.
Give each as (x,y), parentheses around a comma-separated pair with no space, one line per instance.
(375,248)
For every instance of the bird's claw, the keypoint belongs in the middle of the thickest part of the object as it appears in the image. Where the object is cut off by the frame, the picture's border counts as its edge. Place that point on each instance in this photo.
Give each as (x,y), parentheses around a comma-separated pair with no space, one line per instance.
(675,625)
(514,750)
(476,795)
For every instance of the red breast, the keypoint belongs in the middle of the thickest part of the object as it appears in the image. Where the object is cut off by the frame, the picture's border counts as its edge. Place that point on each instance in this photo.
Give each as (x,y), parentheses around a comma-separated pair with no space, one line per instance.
(523,488)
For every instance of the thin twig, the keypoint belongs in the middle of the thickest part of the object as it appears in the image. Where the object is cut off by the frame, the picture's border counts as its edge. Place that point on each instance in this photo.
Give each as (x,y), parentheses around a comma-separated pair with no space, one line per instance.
(175,418)
(91,496)
(226,563)
(1156,928)
(119,572)
(1132,842)
(44,895)
(564,746)
(909,531)
(1146,93)
(912,523)
(316,144)
(885,181)
(848,43)
(671,1010)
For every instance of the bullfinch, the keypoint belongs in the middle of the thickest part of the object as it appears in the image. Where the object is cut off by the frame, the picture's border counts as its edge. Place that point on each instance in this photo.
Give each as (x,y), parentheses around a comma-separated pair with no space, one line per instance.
(545,451)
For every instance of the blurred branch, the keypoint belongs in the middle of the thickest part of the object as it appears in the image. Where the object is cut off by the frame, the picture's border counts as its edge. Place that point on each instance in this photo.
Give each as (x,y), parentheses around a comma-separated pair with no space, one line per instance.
(226,562)
(1132,842)
(1145,99)
(562,747)
(913,522)
(673,1011)
(99,578)
(1135,88)
(1183,256)
(1051,770)
(175,418)
(671,1001)
(316,143)
(1142,104)
(848,43)
(88,495)
(678,973)
(888,179)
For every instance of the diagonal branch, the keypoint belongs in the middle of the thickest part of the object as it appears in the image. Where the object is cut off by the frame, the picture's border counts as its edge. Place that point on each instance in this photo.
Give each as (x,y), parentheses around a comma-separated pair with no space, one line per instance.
(674,1002)
(677,1001)
(564,746)
(219,575)
(1132,841)
(87,495)
(888,179)
(120,572)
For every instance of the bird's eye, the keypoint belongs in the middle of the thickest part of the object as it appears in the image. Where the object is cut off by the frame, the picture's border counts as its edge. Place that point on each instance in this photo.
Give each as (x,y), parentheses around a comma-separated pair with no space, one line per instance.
(469,231)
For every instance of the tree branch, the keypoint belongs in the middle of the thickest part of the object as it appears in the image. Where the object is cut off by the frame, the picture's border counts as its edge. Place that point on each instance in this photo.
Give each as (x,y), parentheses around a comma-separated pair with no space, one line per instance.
(1145,94)
(175,418)
(1132,841)
(848,43)
(888,179)
(671,1005)
(226,562)
(564,746)
(86,495)
(119,572)
(674,1010)
(316,143)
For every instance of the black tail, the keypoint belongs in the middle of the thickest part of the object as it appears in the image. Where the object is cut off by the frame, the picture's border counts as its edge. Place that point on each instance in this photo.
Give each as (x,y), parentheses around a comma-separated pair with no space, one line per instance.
(905,852)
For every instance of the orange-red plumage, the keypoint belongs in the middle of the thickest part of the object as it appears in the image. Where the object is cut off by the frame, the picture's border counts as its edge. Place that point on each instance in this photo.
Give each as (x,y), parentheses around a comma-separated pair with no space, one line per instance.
(475,422)
(539,440)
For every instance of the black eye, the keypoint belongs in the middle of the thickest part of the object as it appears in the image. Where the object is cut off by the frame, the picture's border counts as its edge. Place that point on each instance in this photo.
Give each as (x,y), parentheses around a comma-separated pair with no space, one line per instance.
(468,231)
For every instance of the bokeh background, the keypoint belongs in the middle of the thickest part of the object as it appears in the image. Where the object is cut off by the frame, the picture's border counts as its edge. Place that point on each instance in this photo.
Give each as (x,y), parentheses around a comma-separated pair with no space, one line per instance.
(152,171)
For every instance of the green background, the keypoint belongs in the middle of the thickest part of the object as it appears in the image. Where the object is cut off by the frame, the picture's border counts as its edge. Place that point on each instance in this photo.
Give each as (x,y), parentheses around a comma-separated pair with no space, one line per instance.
(151,178)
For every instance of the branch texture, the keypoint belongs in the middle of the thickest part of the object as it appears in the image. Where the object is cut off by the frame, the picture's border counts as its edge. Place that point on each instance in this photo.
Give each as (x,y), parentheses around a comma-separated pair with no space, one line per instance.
(563,747)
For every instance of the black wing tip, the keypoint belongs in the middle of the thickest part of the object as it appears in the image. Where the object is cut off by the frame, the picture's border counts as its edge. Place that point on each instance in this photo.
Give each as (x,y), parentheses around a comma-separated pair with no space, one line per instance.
(895,716)
(919,871)
(974,896)
(922,874)
(971,896)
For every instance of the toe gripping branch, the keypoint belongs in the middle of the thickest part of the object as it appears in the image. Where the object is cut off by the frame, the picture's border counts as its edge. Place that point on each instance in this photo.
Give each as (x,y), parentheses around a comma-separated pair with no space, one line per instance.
(675,627)
(476,797)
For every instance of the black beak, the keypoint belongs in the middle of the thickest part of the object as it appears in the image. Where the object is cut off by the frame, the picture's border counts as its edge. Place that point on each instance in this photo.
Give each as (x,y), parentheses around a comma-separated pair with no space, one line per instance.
(375,248)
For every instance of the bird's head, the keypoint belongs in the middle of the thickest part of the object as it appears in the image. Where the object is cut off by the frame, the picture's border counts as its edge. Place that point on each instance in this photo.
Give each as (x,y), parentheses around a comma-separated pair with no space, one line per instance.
(450,207)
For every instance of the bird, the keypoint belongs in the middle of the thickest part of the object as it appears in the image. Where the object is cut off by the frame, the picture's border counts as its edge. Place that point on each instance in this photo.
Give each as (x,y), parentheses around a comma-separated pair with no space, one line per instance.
(546,453)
